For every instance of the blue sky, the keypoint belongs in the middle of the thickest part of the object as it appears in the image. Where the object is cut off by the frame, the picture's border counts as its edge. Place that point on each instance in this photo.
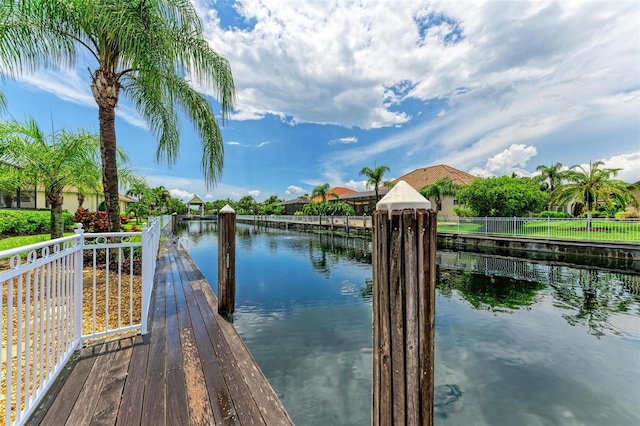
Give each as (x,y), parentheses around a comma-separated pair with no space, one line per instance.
(327,87)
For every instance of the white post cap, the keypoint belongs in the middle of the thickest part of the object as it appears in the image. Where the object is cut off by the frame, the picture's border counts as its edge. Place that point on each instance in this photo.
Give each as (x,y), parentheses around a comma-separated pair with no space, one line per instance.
(402,196)
(227,209)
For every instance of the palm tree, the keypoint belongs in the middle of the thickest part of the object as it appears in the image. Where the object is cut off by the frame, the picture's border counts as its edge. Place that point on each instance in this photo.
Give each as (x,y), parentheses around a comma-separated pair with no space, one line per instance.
(158,199)
(443,187)
(150,51)
(57,162)
(375,177)
(552,175)
(322,191)
(138,189)
(588,186)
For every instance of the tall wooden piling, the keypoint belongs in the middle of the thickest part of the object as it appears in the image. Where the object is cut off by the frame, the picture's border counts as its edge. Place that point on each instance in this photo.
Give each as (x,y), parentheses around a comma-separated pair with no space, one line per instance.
(226,261)
(404,248)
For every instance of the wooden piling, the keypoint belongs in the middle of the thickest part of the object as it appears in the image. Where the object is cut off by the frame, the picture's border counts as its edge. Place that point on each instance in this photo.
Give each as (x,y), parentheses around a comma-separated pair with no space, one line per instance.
(226,261)
(404,248)
(174,223)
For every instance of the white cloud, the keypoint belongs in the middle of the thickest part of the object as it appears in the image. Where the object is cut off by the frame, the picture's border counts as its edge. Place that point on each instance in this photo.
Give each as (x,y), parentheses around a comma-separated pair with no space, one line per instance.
(294,190)
(181,194)
(357,185)
(629,163)
(261,144)
(234,143)
(511,160)
(348,140)
(506,72)
(254,193)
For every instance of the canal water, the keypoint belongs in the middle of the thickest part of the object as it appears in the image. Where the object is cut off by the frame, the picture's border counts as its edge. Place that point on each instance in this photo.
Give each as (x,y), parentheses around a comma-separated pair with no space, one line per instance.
(518,342)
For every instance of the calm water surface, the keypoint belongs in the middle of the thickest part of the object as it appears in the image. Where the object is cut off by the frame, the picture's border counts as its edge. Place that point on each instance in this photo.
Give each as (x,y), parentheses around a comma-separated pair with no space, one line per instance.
(517,342)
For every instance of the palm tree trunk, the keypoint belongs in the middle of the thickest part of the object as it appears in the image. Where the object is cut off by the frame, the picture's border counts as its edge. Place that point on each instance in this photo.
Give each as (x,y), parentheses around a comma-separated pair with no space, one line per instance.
(105,91)
(57,224)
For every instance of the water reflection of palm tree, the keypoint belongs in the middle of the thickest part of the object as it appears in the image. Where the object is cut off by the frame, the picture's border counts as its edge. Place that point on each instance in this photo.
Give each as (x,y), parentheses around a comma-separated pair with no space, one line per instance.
(318,259)
(493,293)
(591,299)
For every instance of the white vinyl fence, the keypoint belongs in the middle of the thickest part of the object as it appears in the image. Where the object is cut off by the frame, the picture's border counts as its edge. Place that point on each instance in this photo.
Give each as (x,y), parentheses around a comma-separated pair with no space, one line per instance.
(59,293)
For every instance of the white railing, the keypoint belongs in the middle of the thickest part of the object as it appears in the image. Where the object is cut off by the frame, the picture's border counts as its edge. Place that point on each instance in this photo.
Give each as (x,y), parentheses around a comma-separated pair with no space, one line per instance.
(363,221)
(58,294)
(585,229)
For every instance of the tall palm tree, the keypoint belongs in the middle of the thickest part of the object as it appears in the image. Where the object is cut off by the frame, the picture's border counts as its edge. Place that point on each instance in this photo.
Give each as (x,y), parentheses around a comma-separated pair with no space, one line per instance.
(374,177)
(552,175)
(589,186)
(55,162)
(322,191)
(443,187)
(148,50)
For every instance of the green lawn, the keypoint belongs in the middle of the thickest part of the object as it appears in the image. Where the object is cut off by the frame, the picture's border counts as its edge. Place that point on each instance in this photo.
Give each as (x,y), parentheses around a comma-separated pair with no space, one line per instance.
(601,230)
(25,240)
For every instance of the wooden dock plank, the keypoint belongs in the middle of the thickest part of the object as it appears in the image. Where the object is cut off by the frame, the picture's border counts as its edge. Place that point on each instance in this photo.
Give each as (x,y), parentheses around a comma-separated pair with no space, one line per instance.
(181,303)
(177,406)
(246,408)
(106,411)
(221,400)
(200,412)
(174,354)
(63,403)
(82,412)
(130,410)
(154,403)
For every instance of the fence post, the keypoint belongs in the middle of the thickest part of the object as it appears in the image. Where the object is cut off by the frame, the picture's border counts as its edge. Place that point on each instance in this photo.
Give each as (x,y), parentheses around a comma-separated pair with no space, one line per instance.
(226,261)
(78,284)
(548,227)
(147,281)
(404,248)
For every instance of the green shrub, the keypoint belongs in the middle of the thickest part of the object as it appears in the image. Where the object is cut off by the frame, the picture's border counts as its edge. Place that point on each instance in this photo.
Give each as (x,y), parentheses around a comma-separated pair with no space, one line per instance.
(30,222)
(24,222)
(464,212)
(554,214)
(628,214)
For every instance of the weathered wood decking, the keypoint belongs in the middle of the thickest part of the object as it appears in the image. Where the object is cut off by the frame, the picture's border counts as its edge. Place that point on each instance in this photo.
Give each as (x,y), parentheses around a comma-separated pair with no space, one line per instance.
(192,367)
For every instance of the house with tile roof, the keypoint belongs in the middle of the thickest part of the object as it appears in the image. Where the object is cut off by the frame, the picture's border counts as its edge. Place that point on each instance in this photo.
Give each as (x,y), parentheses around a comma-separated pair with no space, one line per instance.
(364,202)
(419,178)
(338,190)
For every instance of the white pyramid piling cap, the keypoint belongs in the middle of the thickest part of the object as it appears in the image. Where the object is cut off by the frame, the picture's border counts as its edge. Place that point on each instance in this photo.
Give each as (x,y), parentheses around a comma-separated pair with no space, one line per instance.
(402,196)
(227,209)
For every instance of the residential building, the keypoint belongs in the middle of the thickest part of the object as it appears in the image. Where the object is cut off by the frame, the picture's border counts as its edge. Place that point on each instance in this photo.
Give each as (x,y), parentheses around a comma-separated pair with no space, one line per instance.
(420,178)
(35,199)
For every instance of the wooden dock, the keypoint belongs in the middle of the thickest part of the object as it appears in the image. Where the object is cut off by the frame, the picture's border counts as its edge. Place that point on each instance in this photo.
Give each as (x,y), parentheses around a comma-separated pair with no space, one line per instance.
(191,368)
